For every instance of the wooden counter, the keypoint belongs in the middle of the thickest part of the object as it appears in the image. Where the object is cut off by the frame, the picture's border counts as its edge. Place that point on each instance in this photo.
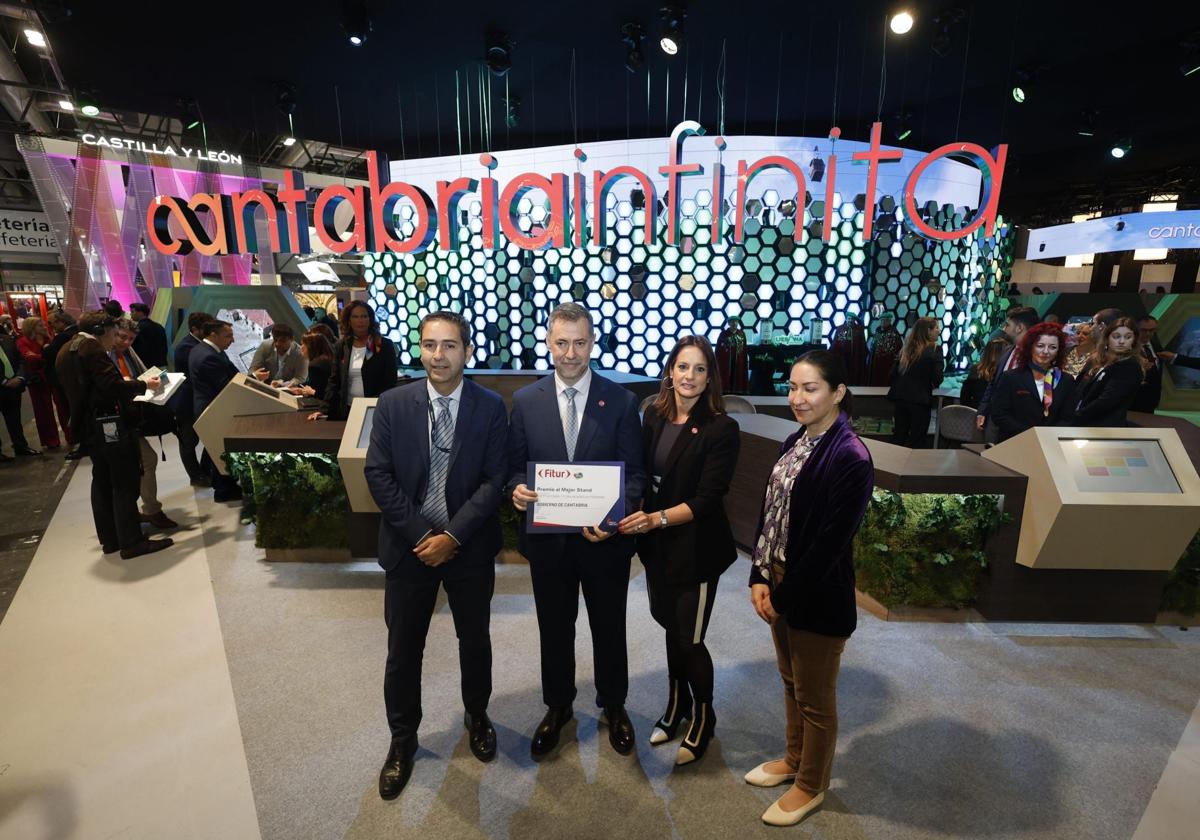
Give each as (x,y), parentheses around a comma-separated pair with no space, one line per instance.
(283,433)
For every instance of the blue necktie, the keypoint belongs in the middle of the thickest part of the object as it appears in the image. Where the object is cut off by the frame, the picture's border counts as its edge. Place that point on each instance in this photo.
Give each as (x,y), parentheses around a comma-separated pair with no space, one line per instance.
(435,509)
(572,422)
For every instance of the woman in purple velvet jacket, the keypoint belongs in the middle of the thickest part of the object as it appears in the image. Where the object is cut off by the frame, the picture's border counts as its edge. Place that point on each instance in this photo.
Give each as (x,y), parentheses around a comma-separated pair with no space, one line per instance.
(802,576)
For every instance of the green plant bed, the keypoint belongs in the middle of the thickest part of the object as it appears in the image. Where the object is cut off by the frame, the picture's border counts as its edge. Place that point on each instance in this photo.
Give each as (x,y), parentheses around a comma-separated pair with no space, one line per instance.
(1182,592)
(925,549)
(299,500)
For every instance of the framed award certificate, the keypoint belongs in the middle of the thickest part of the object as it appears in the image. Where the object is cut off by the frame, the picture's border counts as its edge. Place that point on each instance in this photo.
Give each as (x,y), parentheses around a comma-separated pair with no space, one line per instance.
(573,496)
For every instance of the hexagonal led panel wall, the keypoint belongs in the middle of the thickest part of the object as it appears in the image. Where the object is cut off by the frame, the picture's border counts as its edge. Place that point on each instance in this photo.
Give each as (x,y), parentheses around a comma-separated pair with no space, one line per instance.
(643,296)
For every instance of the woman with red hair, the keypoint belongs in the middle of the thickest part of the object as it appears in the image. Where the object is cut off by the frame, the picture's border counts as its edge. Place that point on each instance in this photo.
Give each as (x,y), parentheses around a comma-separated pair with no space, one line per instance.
(1036,390)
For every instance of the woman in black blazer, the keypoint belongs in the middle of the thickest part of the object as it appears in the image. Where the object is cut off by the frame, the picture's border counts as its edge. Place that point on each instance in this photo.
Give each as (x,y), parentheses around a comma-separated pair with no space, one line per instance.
(1109,384)
(917,372)
(1019,398)
(364,362)
(683,535)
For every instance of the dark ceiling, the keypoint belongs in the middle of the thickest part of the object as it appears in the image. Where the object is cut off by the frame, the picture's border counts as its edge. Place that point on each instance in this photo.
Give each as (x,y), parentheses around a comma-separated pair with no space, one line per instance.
(789,68)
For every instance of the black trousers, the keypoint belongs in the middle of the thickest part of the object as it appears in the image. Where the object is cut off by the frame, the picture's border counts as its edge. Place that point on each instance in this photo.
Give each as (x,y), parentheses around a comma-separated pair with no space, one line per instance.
(220,483)
(408,604)
(912,424)
(605,583)
(116,483)
(188,441)
(684,612)
(10,406)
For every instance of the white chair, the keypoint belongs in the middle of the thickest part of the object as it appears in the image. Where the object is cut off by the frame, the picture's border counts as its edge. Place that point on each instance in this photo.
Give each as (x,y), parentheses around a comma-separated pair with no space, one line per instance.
(646,403)
(957,423)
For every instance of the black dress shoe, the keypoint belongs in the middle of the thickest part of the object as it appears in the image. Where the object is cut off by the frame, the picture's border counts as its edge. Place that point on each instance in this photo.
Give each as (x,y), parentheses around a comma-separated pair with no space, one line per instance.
(482,735)
(397,768)
(146,547)
(75,454)
(201,481)
(27,450)
(5,458)
(160,520)
(620,729)
(109,549)
(228,495)
(545,737)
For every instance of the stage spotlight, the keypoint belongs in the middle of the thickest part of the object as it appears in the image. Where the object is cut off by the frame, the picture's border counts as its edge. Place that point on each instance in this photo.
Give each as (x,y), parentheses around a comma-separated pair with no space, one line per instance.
(88,106)
(1121,148)
(637,199)
(632,36)
(1121,225)
(902,22)
(356,21)
(943,34)
(903,125)
(499,55)
(816,170)
(672,39)
(512,111)
(1086,127)
(66,104)
(35,38)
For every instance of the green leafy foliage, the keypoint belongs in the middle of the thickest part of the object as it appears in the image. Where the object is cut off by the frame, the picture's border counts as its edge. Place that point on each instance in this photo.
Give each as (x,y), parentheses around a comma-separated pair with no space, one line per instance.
(299,500)
(1182,592)
(925,549)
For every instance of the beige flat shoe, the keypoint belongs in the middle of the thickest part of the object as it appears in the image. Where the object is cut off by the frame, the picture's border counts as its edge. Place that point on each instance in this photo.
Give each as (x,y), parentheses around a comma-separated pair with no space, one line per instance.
(761,778)
(777,816)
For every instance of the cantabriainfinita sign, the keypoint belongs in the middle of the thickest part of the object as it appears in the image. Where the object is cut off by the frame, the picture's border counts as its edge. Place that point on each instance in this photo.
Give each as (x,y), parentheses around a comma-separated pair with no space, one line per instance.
(373,226)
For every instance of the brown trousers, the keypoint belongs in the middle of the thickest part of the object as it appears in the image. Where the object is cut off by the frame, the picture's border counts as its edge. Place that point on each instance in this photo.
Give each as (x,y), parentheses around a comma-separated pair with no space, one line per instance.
(808,664)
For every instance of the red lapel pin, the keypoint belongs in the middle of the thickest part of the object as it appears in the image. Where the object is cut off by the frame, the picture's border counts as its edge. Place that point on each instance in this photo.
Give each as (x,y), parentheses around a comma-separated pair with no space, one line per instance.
(695,431)
(601,403)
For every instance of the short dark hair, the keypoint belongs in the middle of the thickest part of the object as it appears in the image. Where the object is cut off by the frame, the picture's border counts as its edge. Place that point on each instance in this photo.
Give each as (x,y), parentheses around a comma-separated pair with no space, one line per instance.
(1025,315)
(213,326)
(1108,316)
(197,320)
(310,312)
(464,329)
(140,307)
(114,309)
(1145,318)
(282,331)
(96,323)
(570,312)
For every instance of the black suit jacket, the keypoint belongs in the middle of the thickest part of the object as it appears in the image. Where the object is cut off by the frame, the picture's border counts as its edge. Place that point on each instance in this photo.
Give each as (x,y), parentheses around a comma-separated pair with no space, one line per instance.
(50,352)
(698,471)
(1187,362)
(378,374)
(985,402)
(397,472)
(1104,399)
(915,384)
(95,387)
(610,431)
(8,344)
(1017,407)
(210,371)
(182,401)
(151,343)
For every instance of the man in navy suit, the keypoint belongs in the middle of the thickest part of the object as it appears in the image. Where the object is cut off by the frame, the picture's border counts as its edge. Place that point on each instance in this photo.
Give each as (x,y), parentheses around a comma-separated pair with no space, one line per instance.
(578,415)
(436,468)
(182,403)
(210,370)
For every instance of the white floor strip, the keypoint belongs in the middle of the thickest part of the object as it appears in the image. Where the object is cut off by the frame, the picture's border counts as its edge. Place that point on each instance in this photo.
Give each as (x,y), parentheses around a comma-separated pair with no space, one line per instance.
(117,715)
(1176,800)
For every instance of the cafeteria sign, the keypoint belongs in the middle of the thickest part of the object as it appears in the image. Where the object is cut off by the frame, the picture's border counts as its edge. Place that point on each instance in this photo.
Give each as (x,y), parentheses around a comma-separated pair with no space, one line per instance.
(374,217)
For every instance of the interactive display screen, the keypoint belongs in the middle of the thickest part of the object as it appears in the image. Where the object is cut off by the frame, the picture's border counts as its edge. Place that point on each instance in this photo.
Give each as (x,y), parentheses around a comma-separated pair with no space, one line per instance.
(263,387)
(364,434)
(1186,343)
(1119,466)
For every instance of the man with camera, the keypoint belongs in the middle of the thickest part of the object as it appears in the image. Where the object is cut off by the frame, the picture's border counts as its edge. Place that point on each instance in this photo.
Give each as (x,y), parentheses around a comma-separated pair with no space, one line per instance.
(103,415)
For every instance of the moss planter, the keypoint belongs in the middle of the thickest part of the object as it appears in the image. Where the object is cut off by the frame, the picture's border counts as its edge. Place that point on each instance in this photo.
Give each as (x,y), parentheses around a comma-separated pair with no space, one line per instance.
(1181,595)
(924,550)
(298,502)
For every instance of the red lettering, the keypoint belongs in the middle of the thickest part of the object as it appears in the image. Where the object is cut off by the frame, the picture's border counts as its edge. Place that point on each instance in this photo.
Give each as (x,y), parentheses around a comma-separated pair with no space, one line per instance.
(873,157)
(992,170)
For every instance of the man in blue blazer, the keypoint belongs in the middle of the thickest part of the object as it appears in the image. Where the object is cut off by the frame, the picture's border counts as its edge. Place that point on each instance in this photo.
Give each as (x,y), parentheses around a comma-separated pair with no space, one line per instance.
(577,415)
(183,402)
(436,468)
(209,371)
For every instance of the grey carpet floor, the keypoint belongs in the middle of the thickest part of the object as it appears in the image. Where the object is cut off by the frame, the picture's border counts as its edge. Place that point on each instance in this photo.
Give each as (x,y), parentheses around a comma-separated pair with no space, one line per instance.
(947,730)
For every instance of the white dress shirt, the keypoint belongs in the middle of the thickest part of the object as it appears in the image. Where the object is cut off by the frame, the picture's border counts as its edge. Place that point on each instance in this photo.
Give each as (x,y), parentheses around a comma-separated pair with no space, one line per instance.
(455,402)
(581,387)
